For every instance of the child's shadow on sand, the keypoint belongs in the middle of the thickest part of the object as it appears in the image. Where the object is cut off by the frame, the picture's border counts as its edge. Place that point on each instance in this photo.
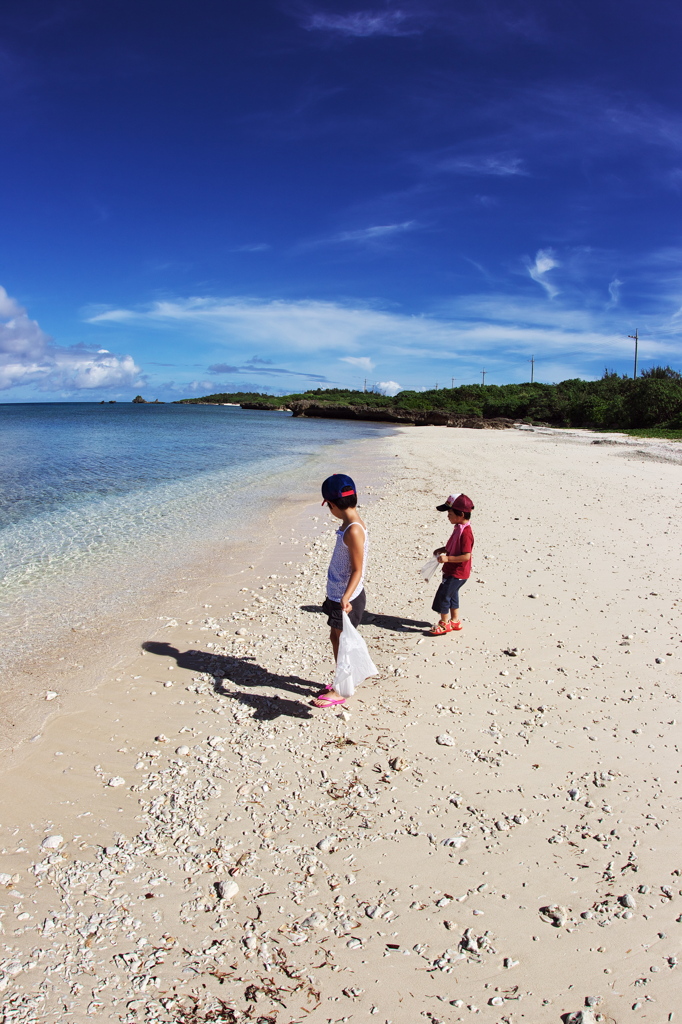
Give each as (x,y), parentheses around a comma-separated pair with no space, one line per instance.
(243,672)
(394,623)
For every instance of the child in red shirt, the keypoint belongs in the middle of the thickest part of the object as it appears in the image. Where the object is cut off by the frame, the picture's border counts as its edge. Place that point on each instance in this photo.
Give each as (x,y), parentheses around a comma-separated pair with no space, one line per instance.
(456,559)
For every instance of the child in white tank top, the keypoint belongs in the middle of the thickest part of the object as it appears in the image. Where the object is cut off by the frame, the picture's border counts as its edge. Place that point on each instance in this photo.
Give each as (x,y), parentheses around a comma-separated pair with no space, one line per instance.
(345,576)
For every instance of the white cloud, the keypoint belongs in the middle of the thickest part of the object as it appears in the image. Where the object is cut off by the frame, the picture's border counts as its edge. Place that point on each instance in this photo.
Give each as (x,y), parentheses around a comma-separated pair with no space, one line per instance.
(360,24)
(362,362)
(389,387)
(29,356)
(544,262)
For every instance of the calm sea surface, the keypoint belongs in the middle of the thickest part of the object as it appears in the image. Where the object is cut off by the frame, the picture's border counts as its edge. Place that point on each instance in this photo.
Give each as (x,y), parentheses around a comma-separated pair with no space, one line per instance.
(101,502)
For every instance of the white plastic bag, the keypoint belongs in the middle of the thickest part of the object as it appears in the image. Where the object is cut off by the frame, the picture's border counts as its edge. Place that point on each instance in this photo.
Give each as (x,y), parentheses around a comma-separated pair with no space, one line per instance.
(430,568)
(354,663)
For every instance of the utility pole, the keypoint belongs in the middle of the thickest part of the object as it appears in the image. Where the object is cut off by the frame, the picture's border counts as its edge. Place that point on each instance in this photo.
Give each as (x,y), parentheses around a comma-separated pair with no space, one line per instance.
(532,369)
(483,373)
(365,386)
(453,382)
(436,385)
(635,338)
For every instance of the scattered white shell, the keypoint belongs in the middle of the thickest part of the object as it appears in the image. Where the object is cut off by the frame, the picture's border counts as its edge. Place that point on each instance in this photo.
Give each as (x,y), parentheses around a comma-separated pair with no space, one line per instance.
(554,914)
(5,879)
(445,740)
(52,843)
(241,632)
(161,738)
(327,844)
(51,694)
(183,751)
(502,826)
(574,793)
(456,842)
(398,764)
(116,780)
(580,1017)
(315,920)
(496,1001)
(227,890)
(354,944)
(627,901)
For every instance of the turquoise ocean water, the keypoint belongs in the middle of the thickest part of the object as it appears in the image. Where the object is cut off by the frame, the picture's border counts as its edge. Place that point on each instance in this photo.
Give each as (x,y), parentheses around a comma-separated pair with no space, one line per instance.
(102,503)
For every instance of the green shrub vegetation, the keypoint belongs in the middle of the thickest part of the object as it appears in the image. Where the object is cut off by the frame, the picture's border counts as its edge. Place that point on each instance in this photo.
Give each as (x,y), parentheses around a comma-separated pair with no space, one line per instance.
(653,400)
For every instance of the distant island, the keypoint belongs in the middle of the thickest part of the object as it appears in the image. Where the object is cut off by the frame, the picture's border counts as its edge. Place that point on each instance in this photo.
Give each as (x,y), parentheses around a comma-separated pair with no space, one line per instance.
(139,400)
(651,405)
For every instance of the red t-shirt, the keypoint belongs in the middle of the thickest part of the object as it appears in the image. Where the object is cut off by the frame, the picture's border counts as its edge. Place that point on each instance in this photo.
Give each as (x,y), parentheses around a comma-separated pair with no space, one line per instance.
(461,542)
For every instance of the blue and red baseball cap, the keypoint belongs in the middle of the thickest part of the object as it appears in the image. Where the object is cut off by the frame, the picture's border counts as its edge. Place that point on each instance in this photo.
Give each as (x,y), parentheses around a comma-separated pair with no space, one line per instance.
(338,486)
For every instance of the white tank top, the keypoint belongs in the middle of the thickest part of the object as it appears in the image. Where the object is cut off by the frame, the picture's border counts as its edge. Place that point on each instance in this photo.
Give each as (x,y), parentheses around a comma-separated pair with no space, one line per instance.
(340,569)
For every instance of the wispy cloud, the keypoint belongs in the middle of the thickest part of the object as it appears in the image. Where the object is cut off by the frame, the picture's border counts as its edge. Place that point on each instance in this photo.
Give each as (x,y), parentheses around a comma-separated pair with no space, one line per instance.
(497,327)
(253,247)
(496,164)
(544,262)
(30,356)
(360,24)
(362,362)
(375,235)
(272,371)
(371,234)
(614,293)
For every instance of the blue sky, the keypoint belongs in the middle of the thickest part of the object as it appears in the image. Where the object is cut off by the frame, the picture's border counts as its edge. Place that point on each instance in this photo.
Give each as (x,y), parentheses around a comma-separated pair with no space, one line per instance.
(273,196)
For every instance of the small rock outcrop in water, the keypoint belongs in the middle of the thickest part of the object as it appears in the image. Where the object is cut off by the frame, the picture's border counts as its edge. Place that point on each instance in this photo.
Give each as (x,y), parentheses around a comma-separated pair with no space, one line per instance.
(139,400)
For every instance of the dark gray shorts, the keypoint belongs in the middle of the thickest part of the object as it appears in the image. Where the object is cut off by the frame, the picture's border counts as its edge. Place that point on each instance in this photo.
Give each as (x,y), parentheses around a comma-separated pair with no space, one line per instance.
(332,609)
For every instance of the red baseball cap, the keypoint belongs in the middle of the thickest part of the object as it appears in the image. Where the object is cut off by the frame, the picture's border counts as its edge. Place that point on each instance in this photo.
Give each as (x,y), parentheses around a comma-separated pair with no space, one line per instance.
(456,502)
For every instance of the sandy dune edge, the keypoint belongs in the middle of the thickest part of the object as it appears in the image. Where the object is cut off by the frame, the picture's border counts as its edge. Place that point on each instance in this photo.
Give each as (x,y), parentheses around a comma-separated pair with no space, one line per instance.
(366,890)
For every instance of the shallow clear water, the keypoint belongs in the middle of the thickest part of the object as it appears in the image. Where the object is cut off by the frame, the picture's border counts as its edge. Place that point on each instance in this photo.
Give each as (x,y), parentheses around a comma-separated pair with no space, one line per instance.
(99,503)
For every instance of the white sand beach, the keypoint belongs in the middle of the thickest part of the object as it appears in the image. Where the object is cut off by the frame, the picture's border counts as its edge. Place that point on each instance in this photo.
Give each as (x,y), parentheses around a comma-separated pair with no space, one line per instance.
(489,829)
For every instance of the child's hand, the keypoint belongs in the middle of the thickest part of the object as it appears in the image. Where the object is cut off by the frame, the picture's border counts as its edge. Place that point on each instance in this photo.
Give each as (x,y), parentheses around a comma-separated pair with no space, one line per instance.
(346,607)
(442,558)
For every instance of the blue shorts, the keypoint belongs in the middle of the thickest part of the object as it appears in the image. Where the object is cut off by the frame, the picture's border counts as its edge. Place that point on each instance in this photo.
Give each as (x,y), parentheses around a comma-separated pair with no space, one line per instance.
(447,595)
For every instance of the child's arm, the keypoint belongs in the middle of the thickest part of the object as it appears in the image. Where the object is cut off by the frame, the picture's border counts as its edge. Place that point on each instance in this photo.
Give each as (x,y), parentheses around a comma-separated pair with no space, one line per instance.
(466,557)
(355,542)
(439,551)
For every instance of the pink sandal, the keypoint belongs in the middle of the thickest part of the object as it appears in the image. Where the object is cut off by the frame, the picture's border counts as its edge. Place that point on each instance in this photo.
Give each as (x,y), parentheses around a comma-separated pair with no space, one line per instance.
(326,701)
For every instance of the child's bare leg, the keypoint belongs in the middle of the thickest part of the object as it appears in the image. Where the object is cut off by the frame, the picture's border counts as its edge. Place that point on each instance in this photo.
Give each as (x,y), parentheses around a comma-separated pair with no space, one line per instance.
(454,615)
(334,635)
